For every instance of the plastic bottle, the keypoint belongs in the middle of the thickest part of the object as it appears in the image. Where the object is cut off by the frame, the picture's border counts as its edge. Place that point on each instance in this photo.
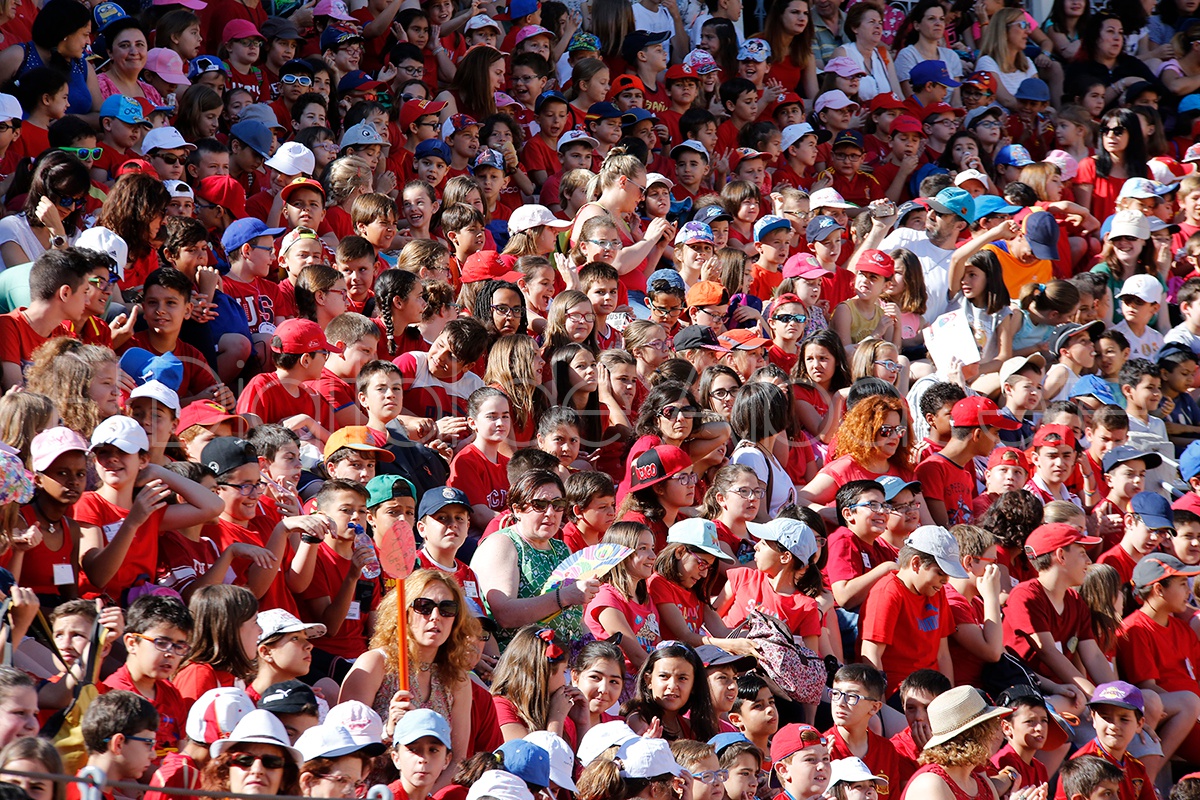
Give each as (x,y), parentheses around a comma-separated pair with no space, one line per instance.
(371,569)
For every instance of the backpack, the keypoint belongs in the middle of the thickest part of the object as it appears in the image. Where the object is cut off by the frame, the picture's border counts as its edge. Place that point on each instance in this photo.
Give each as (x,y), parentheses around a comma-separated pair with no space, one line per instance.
(800,672)
(65,727)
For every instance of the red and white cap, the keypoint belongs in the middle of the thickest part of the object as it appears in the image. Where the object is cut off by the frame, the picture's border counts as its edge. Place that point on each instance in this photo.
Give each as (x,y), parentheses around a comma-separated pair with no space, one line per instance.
(1193,154)
(216,713)
(876,262)
(1165,169)
(333,8)
(575,135)
(299,336)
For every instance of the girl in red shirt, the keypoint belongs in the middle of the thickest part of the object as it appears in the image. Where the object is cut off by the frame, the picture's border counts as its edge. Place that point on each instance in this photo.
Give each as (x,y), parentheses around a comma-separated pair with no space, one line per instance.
(224,640)
(599,674)
(731,502)
(686,712)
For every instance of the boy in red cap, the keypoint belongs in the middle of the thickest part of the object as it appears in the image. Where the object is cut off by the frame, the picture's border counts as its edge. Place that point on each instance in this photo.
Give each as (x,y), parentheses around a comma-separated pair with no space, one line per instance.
(1054,458)
(418,121)
(903,158)
(865,314)
(204,420)
(800,755)
(300,350)
(1007,471)
(948,476)
(1045,618)
(683,84)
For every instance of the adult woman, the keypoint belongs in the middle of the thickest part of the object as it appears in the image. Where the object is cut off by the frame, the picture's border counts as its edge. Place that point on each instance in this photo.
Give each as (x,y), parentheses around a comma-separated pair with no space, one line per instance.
(719,386)
(530,691)
(1122,155)
(864,28)
(473,91)
(255,759)
(759,419)
(440,655)
(53,209)
(924,34)
(622,183)
(514,564)
(60,37)
(1102,57)
(1002,53)
(788,29)
(127,48)
(346,179)
(964,728)
(1181,75)
(284,649)
(868,445)
(134,210)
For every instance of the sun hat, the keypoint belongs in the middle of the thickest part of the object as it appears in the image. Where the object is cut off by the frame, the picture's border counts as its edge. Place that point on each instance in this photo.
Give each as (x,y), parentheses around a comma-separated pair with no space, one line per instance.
(216,714)
(257,727)
(959,710)
(828,198)
(700,534)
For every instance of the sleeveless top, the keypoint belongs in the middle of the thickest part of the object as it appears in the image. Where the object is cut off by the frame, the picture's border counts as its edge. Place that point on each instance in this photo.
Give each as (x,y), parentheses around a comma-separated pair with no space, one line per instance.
(535,567)
(439,695)
(983,326)
(78,94)
(634,280)
(1030,334)
(982,793)
(861,326)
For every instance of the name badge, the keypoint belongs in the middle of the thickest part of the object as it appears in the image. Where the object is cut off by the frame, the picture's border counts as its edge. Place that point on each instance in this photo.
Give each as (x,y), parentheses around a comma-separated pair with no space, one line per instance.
(355,610)
(110,530)
(63,575)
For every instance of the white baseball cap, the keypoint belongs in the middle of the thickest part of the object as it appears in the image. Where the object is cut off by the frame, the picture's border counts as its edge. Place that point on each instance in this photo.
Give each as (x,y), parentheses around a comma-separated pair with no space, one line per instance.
(501,785)
(257,727)
(333,741)
(562,758)
(970,175)
(165,138)
(533,215)
(105,241)
(291,159)
(655,178)
(1017,363)
(1128,222)
(157,390)
(692,145)
(122,432)
(851,770)
(936,541)
(180,189)
(10,108)
(359,719)
(794,133)
(276,622)
(573,136)
(216,713)
(647,758)
(481,21)
(1144,287)
(601,737)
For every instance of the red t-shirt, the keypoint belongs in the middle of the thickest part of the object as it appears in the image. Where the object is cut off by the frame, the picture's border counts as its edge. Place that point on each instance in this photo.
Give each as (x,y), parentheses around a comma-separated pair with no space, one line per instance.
(1104,190)
(18,339)
(41,565)
(338,392)
(910,624)
(193,680)
(198,376)
(1118,559)
(1029,611)
(850,557)
(258,532)
(905,746)
(257,299)
(484,482)
(837,287)
(752,589)
(267,397)
(967,665)
(664,591)
(881,758)
(464,576)
(506,714)
(942,479)
(329,575)
(1032,774)
(1135,782)
(178,771)
(642,618)
(140,564)
(181,561)
(764,282)
(538,155)
(1166,654)
(426,396)
(172,710)
(785,361)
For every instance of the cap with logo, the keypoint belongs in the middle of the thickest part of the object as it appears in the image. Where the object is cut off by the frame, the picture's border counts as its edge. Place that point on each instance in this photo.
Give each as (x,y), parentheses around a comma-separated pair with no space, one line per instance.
(932,71)
(575,137)
(413,110)
(1055,535)
(1013,155)
(795,536)
(1155,567)
(876,262)
(805,266)
(695,233)
(434,500)
(1119,694)
(223,191)
(953,200)
(793,738)
(657,464)
(121,432)
(300,336)
(742,339)
(819,228)
(754,49)
(770,223)
(848,139)
(123,108)
(433,148)
(1144,287)
(51,443)
(216,713)
(701,61)
(227,453)
(245,231)
(580,41)
(487,157)
(287,697)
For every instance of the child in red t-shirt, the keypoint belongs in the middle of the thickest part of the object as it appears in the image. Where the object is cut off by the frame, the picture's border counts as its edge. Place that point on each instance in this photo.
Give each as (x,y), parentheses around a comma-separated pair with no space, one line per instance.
(1117,712)
(123,123)
(1029,730)
(479,469)
(300,349)
(551,110)
(126,727)
(856,561)
(978,637)
(1149,522)
(857,695)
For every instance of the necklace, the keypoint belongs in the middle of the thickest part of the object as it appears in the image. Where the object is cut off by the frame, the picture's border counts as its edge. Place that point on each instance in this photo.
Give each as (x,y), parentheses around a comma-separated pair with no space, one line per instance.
(425,666)
(50,524)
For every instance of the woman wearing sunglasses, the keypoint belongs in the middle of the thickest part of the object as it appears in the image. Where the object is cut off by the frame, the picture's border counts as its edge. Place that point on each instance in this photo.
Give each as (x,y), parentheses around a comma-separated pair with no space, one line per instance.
(255,759)
(1121,155)
(441,651)
(1002,54)
(53,209)
(515,563)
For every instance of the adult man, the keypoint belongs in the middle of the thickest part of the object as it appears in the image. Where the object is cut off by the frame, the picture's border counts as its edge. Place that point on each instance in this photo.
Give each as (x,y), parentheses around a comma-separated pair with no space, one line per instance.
(950,212)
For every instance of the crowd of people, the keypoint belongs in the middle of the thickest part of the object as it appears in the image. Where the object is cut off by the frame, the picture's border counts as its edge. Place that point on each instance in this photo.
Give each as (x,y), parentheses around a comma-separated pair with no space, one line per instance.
(666,400)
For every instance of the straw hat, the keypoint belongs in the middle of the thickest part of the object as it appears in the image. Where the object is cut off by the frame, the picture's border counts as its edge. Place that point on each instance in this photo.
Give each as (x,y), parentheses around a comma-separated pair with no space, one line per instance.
(957,710)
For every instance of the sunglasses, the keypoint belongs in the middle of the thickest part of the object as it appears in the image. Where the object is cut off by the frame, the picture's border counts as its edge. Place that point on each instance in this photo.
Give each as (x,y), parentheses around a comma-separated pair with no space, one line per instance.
(541,504)
(1115,130)
(788,319)
(673,412)
(69,202)
(84,153)
(425,606)
(296,80)
(170,158)
(246,760)
(890,430)
(889,365)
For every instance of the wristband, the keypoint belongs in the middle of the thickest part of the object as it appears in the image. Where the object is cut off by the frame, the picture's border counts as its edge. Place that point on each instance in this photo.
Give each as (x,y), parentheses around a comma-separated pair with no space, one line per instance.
(558,597)
(309,538)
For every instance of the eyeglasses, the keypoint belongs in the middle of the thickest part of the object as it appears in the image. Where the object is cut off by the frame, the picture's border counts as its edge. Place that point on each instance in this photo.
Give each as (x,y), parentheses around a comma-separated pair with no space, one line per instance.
(507,311)
(345,294)
(346,783)
(715,314)
(142,739)
(723,394)
(844,156)
(851,699)
(712,777)
(412,72)
(83,153)
(1020,23)
(685,478)
(889,365)
(748,493)
(907,508)
(666,312)
(165,645)
(1115,130)
(246,760)
(890,430)
(12,125)
(102,284)
(296,80)
(445,608)
(69,202)
(661,345)
(636,185)
(607,244)
(580,316)
(205,206)
(169,158)
(988,123)
(789,319)
(876,508)
(247,489)
(542,504)
(673,412)
(266,247)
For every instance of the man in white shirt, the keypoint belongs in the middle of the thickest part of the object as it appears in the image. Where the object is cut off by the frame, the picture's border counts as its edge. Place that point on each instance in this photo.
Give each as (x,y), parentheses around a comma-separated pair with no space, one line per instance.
(950,212)
(663,16)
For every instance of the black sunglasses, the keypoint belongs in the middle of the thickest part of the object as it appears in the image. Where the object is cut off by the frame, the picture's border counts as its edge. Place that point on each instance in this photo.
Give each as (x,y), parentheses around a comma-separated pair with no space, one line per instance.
(246,760)
(446,608)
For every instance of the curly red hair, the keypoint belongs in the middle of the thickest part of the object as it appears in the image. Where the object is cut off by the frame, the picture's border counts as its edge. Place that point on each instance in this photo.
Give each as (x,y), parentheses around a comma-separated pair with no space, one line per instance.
(860,429)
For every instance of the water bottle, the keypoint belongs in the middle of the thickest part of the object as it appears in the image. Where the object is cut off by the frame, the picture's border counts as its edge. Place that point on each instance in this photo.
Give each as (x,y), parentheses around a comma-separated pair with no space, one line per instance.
(370,570)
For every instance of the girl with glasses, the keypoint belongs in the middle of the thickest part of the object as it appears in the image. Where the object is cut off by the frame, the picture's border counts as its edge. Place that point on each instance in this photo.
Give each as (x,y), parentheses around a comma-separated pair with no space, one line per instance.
(760,419)
(660,483)
(571,320)
(648,343)
(719,386)
(1122,155)
(441,652)
(733,500)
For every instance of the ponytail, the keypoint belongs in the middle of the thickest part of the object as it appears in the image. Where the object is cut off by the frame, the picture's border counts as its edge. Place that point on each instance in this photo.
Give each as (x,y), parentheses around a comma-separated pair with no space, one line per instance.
(1057,295)
(391,284)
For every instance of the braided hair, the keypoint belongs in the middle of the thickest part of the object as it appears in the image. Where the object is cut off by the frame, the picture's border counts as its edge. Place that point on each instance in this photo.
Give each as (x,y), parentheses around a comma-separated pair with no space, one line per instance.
(392,284)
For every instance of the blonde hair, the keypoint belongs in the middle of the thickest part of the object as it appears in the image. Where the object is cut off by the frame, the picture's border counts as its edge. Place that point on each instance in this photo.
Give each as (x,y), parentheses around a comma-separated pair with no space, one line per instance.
(619,163)
(457,656)
(419,253)
(1061,511)
(344,176)
(23,415)
(972,747)
(865,354)
(510,367)
(63,369)
(995,39)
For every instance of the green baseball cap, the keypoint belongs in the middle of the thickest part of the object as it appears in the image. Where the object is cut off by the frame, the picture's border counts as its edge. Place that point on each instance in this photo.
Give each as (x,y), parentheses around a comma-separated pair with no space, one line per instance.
(382,488)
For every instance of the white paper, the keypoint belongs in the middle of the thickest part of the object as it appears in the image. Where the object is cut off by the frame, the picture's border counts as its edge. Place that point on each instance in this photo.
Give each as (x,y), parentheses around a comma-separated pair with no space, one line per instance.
(950,337)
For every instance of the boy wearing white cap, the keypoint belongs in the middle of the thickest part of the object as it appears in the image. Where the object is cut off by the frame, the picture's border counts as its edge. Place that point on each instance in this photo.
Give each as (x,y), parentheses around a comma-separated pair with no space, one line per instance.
(1140,298)
(850,779)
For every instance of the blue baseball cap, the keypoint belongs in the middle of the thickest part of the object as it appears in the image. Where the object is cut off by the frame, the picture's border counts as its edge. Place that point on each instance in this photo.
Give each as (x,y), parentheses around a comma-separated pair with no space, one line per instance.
(820,227)
(519,8)
(1041,231)
(635,115)
(1190,103)
(1189,461)
(526,760)
(419,723)
(1013,155)
(675,281)
(106,14)
(246,230)
(604,110)
(201,65)
(143,366)
(1154,509)
(548,97)
(432,147)
(1033,89)
(988,204)
(932,71)
(953,200)
(1095,386)
(694,232)
(770,223)
(723,740)
(486,157)
(434,500)
(894,485)
(1123,453)
(254,135)
(710,214)
(126,109)
(637,41)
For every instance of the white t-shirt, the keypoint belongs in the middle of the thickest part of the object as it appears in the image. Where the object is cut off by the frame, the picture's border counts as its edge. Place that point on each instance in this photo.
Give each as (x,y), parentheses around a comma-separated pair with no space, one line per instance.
(16,229)
(1182,335)
(654,22)
(1145,346)
(909,57)
(783,491)
(1011,80)
(934,260)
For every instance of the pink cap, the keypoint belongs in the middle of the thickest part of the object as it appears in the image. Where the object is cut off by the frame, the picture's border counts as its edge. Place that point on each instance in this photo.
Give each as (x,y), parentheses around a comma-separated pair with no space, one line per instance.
(194,5)
(1067,164)
(804,265)
(168,65)
(333,8)
(52,443)
(240,29)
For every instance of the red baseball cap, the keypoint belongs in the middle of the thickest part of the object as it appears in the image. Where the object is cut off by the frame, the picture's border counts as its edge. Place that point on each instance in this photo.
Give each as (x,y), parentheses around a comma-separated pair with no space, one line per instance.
(484,265)
(885,100)
(789,99)
(225,192)
(299,336)
(876,262)
(302,183)
(804,265)
(906,123)
(1048,538)
(682,72)
(137,165)
(656,465)
(973,412)
(1054,435)
(622,83)
(413,110)
(1008,457)
(793,738)
(206,412)
(741,154)
(940,108)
